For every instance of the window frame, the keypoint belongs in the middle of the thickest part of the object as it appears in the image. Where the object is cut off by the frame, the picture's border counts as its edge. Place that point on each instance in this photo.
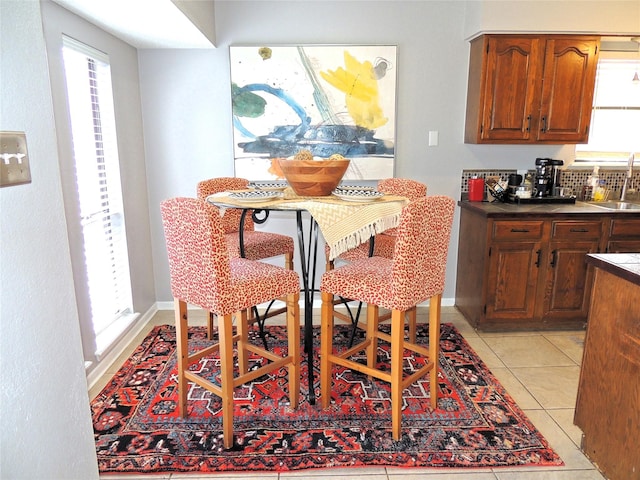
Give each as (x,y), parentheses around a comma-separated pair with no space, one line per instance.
(105,194)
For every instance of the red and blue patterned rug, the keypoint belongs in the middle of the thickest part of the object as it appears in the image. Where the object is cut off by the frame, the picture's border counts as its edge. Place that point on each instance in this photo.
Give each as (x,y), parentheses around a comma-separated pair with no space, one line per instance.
(477,424)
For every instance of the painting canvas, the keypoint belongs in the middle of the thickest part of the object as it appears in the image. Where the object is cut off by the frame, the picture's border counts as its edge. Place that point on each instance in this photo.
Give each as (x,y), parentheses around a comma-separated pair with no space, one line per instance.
(326,99)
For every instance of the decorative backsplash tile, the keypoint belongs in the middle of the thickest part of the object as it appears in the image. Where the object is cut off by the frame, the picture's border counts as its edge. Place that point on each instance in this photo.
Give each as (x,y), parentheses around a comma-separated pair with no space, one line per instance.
(614,180)
(467,174)
(572,178)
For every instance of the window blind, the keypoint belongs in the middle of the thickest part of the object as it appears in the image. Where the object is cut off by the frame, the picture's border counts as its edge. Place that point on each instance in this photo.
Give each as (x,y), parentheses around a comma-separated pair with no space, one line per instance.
(100,203)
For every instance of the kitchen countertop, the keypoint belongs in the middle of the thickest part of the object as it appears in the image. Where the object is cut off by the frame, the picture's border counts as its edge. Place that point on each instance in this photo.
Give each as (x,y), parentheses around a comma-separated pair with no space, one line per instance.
(623,265)
(500,209)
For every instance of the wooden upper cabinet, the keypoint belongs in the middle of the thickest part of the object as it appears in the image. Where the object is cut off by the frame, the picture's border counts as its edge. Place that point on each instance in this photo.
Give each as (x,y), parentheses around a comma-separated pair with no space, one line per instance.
(567,89)
(511,88)
(531,88)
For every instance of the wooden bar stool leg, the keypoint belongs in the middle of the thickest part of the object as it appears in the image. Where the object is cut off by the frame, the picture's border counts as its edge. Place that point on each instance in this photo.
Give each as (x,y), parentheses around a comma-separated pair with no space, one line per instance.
(226,377)
(293,333)
(243,334)
(182,352)
(434,346)
(372,335)
(412,314)
(288,261)
(326,347)
(210,323)
(397,340)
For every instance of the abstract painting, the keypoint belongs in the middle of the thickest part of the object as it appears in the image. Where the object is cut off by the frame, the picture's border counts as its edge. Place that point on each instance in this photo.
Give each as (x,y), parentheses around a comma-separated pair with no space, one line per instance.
(326,99)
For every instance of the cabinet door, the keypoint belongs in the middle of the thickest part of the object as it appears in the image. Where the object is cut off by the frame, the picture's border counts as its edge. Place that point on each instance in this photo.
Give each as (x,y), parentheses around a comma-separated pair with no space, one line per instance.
(513,67)
(568,279)
(568,282)
(512,280)
(567,89)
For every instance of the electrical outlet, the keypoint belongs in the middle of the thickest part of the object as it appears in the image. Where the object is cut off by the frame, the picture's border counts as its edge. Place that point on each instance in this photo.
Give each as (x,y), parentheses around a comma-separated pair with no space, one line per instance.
(14,159)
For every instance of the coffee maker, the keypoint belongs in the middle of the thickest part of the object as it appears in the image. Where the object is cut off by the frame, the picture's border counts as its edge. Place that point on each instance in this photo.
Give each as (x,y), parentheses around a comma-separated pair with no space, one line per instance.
(547,177)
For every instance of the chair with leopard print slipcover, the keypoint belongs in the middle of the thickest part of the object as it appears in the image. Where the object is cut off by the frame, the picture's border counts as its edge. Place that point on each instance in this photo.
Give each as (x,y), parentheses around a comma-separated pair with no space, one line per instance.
(415,273)
(258,245)
(383,244)
(203,274)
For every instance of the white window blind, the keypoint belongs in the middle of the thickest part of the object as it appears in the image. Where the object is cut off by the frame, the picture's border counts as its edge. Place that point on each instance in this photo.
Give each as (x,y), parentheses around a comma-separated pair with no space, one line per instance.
(89,90)
(615,120)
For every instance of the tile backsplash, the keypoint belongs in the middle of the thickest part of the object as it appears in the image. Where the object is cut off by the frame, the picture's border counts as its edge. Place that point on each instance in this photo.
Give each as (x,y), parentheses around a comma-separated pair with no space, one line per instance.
(467,174)
(614,180)
(572,178)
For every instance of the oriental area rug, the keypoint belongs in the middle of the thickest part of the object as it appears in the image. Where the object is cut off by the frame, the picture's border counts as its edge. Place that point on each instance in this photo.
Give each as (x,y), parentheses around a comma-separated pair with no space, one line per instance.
(138,429)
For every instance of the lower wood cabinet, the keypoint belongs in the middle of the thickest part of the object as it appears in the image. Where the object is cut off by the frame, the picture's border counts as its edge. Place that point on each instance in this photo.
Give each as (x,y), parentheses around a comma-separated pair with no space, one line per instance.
(529,273)
(513,270)
(568,280)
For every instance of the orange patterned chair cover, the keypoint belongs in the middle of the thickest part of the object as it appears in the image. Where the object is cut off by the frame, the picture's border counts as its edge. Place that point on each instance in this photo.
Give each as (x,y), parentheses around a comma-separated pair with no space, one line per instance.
(258,245)
(385,242)
(415,273)
(203,274)
(213,280)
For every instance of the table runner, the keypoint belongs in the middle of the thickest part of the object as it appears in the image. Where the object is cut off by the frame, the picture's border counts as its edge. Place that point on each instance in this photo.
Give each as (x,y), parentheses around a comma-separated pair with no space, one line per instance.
(344,224)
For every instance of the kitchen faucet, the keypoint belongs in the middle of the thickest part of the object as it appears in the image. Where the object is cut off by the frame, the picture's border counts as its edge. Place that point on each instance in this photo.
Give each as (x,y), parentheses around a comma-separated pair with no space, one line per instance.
(623,195)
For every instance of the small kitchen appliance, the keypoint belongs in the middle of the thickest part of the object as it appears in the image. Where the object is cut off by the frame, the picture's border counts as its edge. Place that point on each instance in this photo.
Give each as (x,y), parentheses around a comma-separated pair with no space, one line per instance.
(543,187)
(547,176)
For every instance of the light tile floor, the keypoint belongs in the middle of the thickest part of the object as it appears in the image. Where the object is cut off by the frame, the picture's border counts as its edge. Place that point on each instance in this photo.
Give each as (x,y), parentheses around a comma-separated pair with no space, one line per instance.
(540,371)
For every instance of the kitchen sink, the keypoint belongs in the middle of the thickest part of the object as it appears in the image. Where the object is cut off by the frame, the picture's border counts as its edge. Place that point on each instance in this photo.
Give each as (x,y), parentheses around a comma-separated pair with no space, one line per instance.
(617,205)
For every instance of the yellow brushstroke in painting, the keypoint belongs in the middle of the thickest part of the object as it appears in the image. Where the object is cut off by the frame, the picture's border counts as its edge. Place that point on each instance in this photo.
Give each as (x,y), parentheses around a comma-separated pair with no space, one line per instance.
(358,81)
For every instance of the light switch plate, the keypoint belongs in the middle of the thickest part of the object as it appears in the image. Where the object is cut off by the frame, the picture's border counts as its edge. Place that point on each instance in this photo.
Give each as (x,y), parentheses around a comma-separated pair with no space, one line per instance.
(14,159)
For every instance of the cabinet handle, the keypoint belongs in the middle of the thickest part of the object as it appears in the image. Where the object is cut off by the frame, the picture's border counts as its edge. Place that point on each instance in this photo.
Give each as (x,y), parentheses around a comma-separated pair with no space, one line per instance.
(538,252)
(544,124)
(578,230)
(528,123)
(519,230)
(554,258)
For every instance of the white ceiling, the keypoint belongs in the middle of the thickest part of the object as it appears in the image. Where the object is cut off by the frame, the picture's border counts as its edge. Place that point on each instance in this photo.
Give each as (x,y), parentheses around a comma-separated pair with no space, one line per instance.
(141,23)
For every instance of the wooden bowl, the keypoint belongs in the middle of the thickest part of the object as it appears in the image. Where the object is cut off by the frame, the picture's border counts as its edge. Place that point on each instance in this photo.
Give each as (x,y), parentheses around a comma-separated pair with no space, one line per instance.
(313,178)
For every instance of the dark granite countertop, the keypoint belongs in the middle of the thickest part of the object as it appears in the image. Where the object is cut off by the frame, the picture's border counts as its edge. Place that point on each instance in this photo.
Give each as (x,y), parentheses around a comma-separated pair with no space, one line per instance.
(500,209)
(623,265)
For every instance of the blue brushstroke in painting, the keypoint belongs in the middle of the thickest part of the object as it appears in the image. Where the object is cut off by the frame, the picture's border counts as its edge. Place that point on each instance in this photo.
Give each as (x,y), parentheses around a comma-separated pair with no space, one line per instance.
(321,140)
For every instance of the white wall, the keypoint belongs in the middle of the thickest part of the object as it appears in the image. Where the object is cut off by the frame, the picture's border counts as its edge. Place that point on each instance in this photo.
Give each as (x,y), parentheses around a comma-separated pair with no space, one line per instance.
(187,111)
(45,424)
